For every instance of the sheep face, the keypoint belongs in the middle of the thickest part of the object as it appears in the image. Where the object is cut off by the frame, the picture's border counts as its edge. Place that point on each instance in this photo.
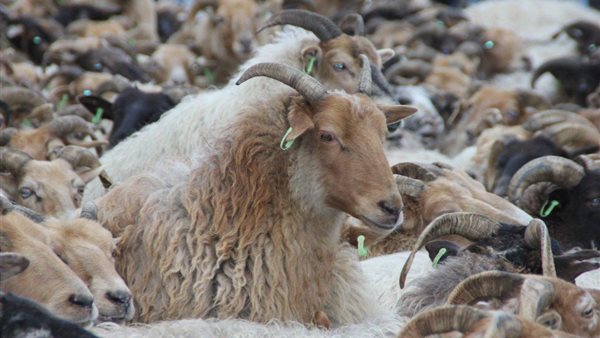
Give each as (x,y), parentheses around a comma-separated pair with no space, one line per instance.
(89,251)
(61,291)
(338,64)
(52,188)
(346,137)
(235,21)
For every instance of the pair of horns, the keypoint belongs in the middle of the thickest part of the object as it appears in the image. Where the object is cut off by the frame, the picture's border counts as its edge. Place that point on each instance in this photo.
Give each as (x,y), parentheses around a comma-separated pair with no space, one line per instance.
(476,227)
(322,27)
(310,88)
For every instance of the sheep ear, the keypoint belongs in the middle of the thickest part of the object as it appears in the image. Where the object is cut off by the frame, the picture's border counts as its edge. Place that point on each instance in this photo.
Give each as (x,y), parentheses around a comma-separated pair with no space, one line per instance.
(434,248)
(8,184)
(87,175)
(569,266)
(386,54)
(12,264)
(550,319)
(395,113)
(311,55)
(92,103)
(299,120)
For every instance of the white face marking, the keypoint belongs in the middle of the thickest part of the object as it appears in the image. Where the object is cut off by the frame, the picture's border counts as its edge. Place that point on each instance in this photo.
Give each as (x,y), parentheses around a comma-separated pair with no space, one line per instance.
(35,333)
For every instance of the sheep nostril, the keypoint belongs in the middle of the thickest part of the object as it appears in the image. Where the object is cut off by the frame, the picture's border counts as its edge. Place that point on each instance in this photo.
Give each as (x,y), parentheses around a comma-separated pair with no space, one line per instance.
(389,208)
(121,297)
(81,300)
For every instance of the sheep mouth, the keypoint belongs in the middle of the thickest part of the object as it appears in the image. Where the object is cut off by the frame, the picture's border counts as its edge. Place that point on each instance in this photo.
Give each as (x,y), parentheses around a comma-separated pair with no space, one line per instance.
(382,226)
(112,319)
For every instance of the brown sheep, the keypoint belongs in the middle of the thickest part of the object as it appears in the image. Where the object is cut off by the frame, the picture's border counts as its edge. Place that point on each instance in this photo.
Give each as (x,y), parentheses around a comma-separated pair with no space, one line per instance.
(261,225)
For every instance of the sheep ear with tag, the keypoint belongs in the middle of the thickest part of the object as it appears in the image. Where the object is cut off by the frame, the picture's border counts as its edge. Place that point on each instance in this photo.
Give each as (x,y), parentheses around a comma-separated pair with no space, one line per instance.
(92,103)
(434,248)
(310,58)
(299,120)
(395,113)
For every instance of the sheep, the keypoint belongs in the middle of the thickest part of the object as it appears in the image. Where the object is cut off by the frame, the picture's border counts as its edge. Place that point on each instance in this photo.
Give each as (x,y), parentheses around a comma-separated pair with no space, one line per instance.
(131,110)
(429,191)
(49,187)
(277,181)
(586,34)
(565,194)
(37,143)
(20,317)
(176,139)
(175,63)
(63,293)
(21,102)
(551,302)
(578,78)
(472,322)
(496,246)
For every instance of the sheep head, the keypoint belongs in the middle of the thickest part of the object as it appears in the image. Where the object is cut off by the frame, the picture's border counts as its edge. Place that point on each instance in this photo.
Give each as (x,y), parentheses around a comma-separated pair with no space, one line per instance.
(341,145)
(586,34)
(89,251)
(53,188)
(574,186)
(551,302)
(335,59)
(63,293)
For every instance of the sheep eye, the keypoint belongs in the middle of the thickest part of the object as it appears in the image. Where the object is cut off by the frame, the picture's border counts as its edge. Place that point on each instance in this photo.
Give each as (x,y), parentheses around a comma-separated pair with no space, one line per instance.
(80,190)
(588,313)
(339,66)
(114,254)
(596,202)
(37,40)
(26,192)
(327,137)
(98,66)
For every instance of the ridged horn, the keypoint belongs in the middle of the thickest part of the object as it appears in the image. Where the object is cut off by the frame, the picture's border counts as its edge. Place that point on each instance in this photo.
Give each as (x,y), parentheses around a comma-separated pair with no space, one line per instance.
(322,27)
(21,100)
(416,171)
(365,83)
(551,117)
(469,225)
(572,136)
(6,134)
(551,66)
(441,320)
(13,161)
(537,236)
(79,157)
(589,161)
(64,125)
(409,186)
(554,169)
(484,285)
(409,69)
(536,295)
(310,88)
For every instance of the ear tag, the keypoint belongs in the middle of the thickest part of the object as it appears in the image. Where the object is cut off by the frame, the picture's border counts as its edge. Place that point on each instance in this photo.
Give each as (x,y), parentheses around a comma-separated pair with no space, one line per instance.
(439,256)
(87,92)
(489,44)
(37,40)
(547,209)
(209,75)
(98,117)
(26,123)
(286,144)
(362,251)
(310,65)
(63,102)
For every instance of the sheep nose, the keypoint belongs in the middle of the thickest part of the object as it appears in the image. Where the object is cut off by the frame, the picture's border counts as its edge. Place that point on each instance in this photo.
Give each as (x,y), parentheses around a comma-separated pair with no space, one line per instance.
(390,207)
(122,297)
(246,45)
(81,300)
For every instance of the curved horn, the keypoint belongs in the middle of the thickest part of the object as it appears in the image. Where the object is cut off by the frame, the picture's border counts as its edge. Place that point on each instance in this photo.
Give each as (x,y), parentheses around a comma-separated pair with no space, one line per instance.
(536,236)
(353,24)
(547,118)
(6,134)
(441,320)
(79,157)
(63,125)
(382,86)
(6,205)
(571,135)
(32,215)
(409,186)
(115,85)
(589,161)
(13,161)
(89,211)
(70,73)
(21,100)
(408,69)
(551,66)
(536,295)
(365,84)
(488,284)
(554,169)
(322,27)
(311,89)
(469,225)
(415,170)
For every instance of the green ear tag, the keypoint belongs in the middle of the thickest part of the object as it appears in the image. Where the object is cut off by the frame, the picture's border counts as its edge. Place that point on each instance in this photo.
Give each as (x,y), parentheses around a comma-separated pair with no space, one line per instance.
(26,123)
(362,251)
(98,117)
(547,209)
(285,144)
(63,102)
(310,65)
(209,75)
(439,256)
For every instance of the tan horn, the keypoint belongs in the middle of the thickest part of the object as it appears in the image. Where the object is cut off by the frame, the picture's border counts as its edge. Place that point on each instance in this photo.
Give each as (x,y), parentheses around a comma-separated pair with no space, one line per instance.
(421,172)
(409,186)
(13,161)
(64,125)
(536,236)
(365,84)
(321,26)
(484,285)
(441,320)
(469,225)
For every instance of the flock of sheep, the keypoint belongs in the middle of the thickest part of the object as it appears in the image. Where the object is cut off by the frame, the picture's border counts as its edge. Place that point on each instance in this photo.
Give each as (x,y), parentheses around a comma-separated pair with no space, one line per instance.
(241,168)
